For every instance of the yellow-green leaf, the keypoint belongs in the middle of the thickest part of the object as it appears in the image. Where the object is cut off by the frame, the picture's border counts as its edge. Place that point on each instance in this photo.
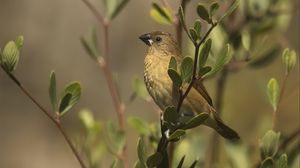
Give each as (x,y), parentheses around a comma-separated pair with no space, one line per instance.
(52,91)
(273,92)
(161,14)
(289,59)
(71,92)
(232,8)
(186,69)
(10,56)
(175,77)
(203,13)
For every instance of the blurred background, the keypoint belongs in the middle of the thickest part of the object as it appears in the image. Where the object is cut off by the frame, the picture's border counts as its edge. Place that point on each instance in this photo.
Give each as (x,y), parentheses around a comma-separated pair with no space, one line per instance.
(52,30)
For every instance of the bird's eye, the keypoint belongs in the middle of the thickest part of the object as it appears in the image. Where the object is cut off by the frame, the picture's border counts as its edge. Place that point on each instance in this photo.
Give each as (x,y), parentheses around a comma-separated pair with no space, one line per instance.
(158,39)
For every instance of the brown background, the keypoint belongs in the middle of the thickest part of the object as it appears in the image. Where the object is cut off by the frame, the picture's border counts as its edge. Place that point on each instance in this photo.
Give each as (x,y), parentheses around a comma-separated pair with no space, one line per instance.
(52,30)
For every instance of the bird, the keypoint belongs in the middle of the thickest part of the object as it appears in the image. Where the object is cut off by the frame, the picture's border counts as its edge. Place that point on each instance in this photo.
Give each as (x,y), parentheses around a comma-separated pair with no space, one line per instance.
(161,47)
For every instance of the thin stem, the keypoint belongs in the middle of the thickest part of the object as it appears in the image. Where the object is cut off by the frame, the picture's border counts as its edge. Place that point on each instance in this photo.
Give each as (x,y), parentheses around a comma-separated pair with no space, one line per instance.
(282,89)
(178,29)
(95,12)
(194,78)
(55,120)
(163,144)
(104,65)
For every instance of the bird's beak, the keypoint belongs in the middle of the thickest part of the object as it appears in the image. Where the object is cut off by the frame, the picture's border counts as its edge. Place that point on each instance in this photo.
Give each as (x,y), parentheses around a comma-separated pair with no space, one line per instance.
(146,38)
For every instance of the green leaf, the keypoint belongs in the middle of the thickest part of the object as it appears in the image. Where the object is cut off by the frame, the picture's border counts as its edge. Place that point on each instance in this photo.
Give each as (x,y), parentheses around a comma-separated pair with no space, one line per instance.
(194,164)
(73,90)
(203,13)
(138,164)
(232,8)
(266,58)
(197,28)
(116,137)
(154,160)
(161,14)
(173,63)
(118,8)
(139,124)
(282,162)
(181,18)
(273,92)
(196,121)
(176,135)
(114,164)
(52,91)
(186,69)
(181,162)
(269,144)
(110,6)
(222,60)
(141,148)
(64,103)
(182,21)
(246,40)
(204,53)
(289,59)
(193,34)
(87,119)
(10,56)
(170,114)
(19,42)
(90,44)
(213,8)
(175,77)
(203,71)
(267,163)
(140,88)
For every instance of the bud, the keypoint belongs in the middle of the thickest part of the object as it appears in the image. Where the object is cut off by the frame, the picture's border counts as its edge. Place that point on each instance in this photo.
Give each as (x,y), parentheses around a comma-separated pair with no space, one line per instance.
(289,59)
(19,41)
(10,56)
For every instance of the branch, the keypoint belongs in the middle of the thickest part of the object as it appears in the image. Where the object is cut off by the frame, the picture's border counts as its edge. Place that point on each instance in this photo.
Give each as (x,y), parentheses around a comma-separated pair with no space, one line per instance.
(54,119)
(194,78)
(95,12)
(163,143)
(104,65)
(282,89)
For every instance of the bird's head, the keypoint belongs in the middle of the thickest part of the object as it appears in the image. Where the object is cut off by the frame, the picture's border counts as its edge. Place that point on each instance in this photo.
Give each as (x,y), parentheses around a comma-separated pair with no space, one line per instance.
(160,42)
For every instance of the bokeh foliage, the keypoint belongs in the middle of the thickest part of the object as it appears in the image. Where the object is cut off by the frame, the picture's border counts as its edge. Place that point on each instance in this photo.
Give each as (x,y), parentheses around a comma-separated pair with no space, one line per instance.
(240,37)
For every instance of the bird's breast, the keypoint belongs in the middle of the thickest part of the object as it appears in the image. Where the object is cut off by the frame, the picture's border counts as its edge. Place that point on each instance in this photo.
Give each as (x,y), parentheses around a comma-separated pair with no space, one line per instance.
(157,81)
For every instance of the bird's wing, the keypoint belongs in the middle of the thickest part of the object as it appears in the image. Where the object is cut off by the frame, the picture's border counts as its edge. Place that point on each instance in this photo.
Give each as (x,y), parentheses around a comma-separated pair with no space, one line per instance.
(198,85)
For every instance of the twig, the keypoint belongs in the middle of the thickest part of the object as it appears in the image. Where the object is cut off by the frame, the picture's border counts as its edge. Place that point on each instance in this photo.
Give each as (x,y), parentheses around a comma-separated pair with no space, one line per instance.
(163,144)
(175,21)
(95,12)
(282,89)
(178,30)
(104,65)
(194,77)
(54,119)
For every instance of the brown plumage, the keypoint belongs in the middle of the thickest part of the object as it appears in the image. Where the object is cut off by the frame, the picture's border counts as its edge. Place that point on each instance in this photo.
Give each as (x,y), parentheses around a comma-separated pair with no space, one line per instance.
(159,85)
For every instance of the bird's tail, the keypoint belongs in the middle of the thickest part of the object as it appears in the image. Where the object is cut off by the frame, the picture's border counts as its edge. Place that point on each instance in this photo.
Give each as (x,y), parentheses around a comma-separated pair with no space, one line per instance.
(224,130)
